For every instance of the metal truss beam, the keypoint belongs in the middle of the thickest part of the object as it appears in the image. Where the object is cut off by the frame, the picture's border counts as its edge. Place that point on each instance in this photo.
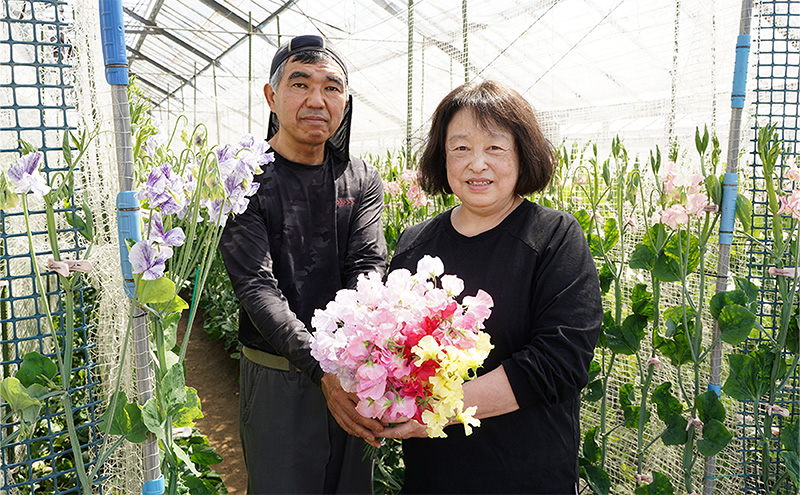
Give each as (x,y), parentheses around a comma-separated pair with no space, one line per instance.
(136,53)
(168,35)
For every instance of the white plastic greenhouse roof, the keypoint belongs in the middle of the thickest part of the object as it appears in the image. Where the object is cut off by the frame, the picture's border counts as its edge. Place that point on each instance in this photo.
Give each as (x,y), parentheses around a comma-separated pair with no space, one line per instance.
(592,69)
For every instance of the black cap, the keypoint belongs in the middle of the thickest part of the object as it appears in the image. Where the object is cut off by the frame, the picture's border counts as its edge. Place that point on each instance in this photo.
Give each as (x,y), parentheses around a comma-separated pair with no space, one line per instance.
(305,43)
(340,140)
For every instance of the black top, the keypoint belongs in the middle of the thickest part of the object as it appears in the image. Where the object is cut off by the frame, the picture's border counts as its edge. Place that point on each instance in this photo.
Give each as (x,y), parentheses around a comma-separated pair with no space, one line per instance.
(309,231)
(546,319)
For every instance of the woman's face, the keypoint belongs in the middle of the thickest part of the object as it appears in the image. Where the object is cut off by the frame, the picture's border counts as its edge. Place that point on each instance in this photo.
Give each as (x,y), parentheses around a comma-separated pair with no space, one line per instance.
(482,164)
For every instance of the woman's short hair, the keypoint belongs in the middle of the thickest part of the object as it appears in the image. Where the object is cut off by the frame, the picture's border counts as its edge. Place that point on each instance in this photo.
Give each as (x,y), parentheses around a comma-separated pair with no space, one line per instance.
(491,103)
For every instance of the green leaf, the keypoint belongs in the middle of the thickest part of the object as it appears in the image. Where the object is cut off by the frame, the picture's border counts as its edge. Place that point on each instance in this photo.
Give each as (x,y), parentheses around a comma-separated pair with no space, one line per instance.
(626,339)
(183,456)
(126,420)
(674,318)
(595,244)
(594,370)
(709,407)
(735,323)
(715,438)
(659,486)
(88,224)
(205,455)
(152,418)
(7,439)
(597,479)
(198,486)
(714,189)
(677,348)
(630,412)
(749,377)
(701,143)
(190,411)
(744,212)
(666,269)
(642,301)
(750,289)
(667,406)
(793,335)
(36,368)
(170,326)
(173,389)
(677,247)
(176,305)
(670,411)
(8,198)
(158,291)
(606,277)
(722,299)
(607,325)
(642,258)
(792,462)
(591,451)
(584,219)
(13,392)
(611,234)
(790,436)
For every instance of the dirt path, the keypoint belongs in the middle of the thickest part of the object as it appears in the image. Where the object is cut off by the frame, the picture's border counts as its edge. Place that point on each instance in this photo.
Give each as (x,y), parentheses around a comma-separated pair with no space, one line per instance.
(215,376)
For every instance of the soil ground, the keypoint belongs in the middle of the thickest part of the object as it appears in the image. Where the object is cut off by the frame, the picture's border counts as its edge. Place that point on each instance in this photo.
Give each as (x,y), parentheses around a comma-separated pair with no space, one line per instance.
(215,375)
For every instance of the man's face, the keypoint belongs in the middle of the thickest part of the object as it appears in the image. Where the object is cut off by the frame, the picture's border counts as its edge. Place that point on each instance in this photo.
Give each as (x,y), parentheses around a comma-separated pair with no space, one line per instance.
(309,101)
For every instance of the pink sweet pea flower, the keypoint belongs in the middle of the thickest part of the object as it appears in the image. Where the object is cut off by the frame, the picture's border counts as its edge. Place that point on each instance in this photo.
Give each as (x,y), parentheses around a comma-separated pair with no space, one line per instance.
(643,479)
(778,410)
(696,203)
(392,188)
(789,271)
(694,422)
(793,172)
(58,266)
(790,204)
(675,215)
(654,361)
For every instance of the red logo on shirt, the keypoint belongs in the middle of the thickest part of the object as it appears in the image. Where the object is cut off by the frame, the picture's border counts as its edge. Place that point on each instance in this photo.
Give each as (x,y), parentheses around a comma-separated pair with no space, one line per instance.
(345,202)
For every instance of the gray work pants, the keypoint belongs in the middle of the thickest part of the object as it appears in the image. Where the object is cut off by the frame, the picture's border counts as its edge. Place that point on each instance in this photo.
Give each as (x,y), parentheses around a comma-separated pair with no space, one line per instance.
(291,443)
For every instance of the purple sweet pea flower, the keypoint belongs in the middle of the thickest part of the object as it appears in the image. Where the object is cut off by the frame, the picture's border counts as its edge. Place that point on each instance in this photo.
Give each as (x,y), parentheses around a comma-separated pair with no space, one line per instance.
(155,232)
(25,177)
(226,157)
(154,141)
(149,259)
(163,189)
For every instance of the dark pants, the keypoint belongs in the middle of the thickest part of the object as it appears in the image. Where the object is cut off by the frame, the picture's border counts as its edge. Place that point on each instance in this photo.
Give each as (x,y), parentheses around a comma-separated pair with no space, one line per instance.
(291,442)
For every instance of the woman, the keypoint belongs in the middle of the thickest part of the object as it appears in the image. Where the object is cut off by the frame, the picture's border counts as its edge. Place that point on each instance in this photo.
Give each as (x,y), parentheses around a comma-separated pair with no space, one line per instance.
(486,147)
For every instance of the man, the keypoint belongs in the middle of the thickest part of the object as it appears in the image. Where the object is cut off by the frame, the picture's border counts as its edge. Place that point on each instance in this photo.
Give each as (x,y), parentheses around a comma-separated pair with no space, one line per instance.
(312,228)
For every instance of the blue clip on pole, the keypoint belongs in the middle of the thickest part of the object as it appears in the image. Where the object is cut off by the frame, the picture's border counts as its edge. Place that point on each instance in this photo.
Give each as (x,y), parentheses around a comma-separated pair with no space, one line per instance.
(716,388)
(729,194)
(740,71)
(112,33)
(129,226)
(153,487)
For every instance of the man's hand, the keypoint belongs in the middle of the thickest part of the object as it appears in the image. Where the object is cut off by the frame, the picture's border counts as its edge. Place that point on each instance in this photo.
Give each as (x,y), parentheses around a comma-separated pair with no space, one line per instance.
(343,407)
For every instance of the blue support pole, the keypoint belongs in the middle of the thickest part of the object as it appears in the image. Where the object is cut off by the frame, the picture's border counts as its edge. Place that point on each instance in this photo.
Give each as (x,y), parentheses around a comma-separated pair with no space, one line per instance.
(129,218)
(727,222)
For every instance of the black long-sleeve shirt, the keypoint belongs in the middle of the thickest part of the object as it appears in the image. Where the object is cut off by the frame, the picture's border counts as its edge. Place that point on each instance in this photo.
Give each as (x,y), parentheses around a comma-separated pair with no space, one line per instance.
(308,232)
(546,319)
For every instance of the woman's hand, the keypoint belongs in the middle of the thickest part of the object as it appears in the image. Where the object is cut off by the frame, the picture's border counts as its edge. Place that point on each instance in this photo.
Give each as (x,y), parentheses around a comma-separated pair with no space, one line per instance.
(408,429)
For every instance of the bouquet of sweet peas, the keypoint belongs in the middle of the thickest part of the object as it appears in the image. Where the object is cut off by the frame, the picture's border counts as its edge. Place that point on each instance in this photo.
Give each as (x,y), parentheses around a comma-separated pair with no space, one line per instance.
(406,347)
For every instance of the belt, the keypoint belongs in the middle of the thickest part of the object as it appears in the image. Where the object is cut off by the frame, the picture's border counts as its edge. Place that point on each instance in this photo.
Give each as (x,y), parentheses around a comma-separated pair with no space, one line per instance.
(268,360)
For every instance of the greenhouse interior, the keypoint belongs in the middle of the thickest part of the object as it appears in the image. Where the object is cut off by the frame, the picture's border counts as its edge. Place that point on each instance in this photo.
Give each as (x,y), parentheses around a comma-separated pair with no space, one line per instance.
(674,131)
